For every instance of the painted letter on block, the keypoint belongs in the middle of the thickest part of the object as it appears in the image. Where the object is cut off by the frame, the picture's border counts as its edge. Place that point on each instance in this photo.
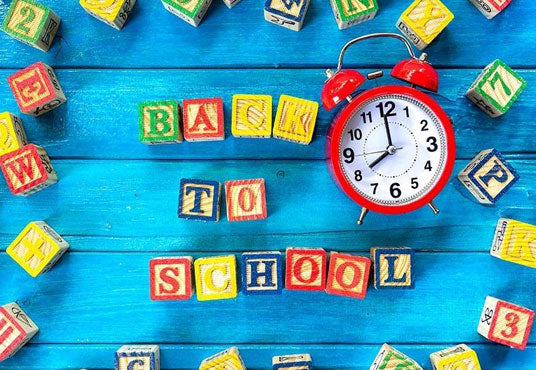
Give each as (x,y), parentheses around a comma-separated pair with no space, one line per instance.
(225,360)
(348,275)
(16,329)
(389,358)
(138,357)
(203,119)
(159,122)
(262,273)
(171,278)
(12,134)
(199,200)
(215,278)
(459,357)
(295,119)
(393,267)
(252,116)
(246,200)
(305,269)
(112,12)
(515,241)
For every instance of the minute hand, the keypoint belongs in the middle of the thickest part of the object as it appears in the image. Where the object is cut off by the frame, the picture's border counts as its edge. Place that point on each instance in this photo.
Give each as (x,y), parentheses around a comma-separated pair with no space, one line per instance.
(386,123)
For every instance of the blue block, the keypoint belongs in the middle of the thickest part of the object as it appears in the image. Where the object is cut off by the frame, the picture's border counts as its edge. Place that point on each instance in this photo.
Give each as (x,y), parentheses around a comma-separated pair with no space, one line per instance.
(292,362)
(141,356)
(199,200)
(286,18)
(262,273)
(376,257)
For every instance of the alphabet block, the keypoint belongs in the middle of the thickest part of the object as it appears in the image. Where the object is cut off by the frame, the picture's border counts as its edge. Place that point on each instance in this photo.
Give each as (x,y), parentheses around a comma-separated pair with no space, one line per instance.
(393,267)
(112,12)
(490,8)
(36,89)
(137,357)
(16,329)
(37,248)
(488,176)
(457,357)
(190,11)
(286,13)
(348,275)
(32,23)
(423,21)
(231,3)
(262,273)
(515,241)
(246,200)
(215,278)
(12,135)
(292,362)
(505,323)
(295,119)
(496,88)
(159,122)
(306,269)
(171,278)
(348,13)
(203,119)
(252,116)
(27,170)
(199,200)
(390,359)
(225,360)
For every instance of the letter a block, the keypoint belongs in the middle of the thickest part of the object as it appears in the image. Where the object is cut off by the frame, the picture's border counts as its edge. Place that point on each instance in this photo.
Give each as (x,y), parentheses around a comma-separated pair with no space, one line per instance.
(348,275)
(348,13)
(490,8)
(505,323)
(295,119)
(190,11)
(393,267)
(137,357)
(292,362)
(36,89)
(32,23)
(226,360)
(515,241)
(496,89)
(246,200)
(199,200)
(286,13)
(16,329)
(453,358)
(171,278)
(159,122)
(306,269)
(262,273)
(215,278)
(37,248)
(203,119)
(390,359)
(252,116)
(27,170)
(12,135)
(423,21)
(488,176)
(112,12)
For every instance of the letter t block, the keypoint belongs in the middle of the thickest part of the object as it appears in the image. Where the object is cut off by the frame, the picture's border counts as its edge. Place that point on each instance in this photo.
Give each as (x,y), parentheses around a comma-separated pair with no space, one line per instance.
(262,273)
(199,200)
(393,267)
(348,275)
(171,278)
(306,269)
(215,278)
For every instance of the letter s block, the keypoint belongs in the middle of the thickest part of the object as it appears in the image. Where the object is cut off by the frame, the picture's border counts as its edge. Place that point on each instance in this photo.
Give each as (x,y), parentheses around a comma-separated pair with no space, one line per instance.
(16,329)
(159,122)
(246,200)
(112,12)
(295,119)
(348,275)
(453,358)
(515,241)
(171,278)
(137,357)
(252,116)
(12,135)
(393,267)
(306,269)
(199,200)
(215,278)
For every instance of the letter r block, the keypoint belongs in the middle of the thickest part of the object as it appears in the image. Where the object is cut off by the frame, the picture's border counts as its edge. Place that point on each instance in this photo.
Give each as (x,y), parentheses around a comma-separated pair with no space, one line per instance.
(215,278)
(262,273)
(393,267)
(137,357)
(199,200)
(171,278)
(246,200)
(16,329)
(203,119)
(159,122)
(295,119)
(348,275)
(306,269)
(252,116)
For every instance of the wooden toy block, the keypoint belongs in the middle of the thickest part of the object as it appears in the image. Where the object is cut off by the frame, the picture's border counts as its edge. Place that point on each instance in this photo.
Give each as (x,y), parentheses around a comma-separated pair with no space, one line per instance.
(348,275)
(393,267)
(246,200)
(496,88)
(27,170)
(292,362)
(226,360)
(295,119)
(490,8)
(252,116)
(453,358)
(199,200)
(215,278)
(171,278)
(262,273)
(203,119)
(36,89)
(348,13)
(190,11)
(231,3)
(306,269)
(112,12)
(16,329)
(12,135)
(286,13)
(137,357)
(488,176)
(423,21)
(159,122)
(515,241)
(37,248)
(505,323)
(390,359)
(32,23)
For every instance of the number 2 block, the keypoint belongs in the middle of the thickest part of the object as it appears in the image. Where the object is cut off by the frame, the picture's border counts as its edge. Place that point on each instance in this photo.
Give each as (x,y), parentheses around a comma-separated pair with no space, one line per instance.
(490,8)
(112,12)
(246,200)
(171,278)
(286,13)
(295,119)
(515,241)
(348,13)
(16,329)
(505,323)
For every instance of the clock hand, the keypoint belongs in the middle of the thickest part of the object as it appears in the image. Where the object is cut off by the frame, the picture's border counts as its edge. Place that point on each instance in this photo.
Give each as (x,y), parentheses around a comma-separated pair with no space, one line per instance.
(386,123)
(377,151)
(379,159)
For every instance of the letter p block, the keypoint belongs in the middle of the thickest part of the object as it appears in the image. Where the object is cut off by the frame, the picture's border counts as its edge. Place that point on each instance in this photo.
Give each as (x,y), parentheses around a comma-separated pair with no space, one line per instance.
(171,278)
(306,269)
(348,275)
(215,278)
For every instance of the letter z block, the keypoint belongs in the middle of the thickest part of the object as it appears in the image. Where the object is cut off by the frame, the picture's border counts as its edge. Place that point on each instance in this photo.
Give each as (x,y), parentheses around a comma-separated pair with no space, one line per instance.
(496,88)
(12,135)
(262,273)
(171,278)
(190,11)
(515,241)
(505,323)
(423,21)
(16,329)
(286,13)
(37,248)
(292,362)
(199,200)
(159,122)
(203,119)
(348,13)
(393,267)
(246,200)
(457,357)
(137,357)
(27,170)
(295,119)
(306,269)
(32,23)
(390,359)
(215,278)
(348,275)
(490,8)
(112,12)
(36,89)
(225,360)
(252,116)
(488,176)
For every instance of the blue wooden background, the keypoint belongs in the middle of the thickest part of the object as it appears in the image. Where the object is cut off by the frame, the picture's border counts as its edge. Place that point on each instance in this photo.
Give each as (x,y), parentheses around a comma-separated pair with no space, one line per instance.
(116,200)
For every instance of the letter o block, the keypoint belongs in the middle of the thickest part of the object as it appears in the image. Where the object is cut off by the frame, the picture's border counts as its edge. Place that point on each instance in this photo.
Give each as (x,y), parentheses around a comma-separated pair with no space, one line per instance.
(215,278)
(171,278)
(246,200)
(305,269)
(348,275)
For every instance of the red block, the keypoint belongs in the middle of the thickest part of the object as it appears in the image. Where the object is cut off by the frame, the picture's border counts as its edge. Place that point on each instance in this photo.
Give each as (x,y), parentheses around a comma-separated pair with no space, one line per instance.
(171,278)
(305,269)
(203,119)
(348,275)
(246,200)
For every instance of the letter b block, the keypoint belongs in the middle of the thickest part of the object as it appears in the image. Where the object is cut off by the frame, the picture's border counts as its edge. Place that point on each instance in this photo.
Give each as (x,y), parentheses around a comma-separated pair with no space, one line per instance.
(295,119)
(515,241)
(199,200)
(159,122)
(262,273)
(459,357)
(306,269)
(215,278)
(137,357)
(171,278)
(12,135)
(393,267)
(203,119)
(348,275)
(246,200)
(16,329)
(252,116)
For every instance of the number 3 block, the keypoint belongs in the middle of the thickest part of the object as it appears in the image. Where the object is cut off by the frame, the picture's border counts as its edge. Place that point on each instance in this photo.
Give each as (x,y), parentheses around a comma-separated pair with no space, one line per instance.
(246,200)
(16,329)
(515,242)
(112,12)
(505,323)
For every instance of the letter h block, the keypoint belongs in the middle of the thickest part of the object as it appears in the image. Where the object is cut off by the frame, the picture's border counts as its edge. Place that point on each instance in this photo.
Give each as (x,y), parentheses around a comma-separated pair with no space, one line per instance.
(159,122)
(515,241)
(203,119)
(112,12)
(262,273)
(228,359)
(348,275)
(286,13)
(393,267)
(292,362)
(171,278)
(246,200)
(16,329)
(252,116)
(199,200)
(137,357)
(215,278)
(457,357)
(305,269)
(348,13)
(12,134)
(295,119)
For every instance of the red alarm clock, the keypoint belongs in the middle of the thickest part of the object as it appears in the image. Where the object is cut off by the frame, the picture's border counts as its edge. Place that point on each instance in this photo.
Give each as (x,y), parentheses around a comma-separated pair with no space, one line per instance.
(391,148)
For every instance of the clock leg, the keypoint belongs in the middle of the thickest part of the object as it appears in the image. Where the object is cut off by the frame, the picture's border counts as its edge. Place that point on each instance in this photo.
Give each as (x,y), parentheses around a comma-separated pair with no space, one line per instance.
(364,212)
(434,208)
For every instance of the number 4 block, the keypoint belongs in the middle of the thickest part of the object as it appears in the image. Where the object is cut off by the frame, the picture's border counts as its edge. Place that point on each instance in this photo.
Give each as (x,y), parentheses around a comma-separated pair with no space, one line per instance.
(112,12)
(348,13)
(16,329)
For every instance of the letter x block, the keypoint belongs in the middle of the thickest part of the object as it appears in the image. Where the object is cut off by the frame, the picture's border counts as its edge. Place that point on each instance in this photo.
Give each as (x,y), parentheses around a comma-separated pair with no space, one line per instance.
(286,13)
(252,116)
(390,359)
(262,273)
(27,170)
(12,135)
(457,357)
(488,176)
(306,269)
(112,12)
(137,357)
(423,21)
(159,122)
(203,119)
(505,323)
(199,200)
(515,241)
(36,89)
(348,275)
(295,119)
(16,329)
(190,11)
(215,278)
(171,278)
(246,200)
(348,13)
(393,267)
(292,362)
(226,360)
(490,8)
(32,23)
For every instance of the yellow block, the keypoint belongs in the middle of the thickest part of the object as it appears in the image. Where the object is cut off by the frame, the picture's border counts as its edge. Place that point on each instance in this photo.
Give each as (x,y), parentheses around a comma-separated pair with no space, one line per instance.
(295,119)
(215,278)
(252,115)
(427,18)
(12,135)
(226,360)
(107,9)
(459,357)
(515,241)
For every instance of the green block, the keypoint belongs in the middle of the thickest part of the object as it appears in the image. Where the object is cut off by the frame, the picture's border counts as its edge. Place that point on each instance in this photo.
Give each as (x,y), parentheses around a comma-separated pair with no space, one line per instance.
(32,20)
(159,122)
(178,6)
(352,9)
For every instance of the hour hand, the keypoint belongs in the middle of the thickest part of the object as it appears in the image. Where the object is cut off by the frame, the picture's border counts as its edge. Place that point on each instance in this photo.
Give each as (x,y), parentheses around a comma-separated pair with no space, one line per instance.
(379,159)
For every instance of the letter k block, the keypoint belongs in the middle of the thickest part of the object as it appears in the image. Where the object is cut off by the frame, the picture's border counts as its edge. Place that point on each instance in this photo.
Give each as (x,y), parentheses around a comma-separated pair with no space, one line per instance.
(199,200)
(295,119)
(393,267)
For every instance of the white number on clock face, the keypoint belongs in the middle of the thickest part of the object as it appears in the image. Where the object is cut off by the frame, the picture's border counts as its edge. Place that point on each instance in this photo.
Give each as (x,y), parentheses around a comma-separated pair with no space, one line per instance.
(404,170)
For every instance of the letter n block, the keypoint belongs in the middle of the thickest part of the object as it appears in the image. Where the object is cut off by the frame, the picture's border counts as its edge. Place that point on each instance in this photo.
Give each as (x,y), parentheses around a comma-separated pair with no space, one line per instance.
(12,135)
(171,278)
(295,119)
(112,12)
(225,360)
(457,357)
(28,170)
(199,200)
(393,267)
(16,329)
(490,8)
(348,275)
(348,13)
(137,357)
(203,119)
(246,200)
(286,13)
(36,89)
(159,122)
(505,323)
(190,11)
(515,241)
(306,269)
(252,116)
(292,362)
(388,358)
(262,273)
(488,176)
(215,278)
